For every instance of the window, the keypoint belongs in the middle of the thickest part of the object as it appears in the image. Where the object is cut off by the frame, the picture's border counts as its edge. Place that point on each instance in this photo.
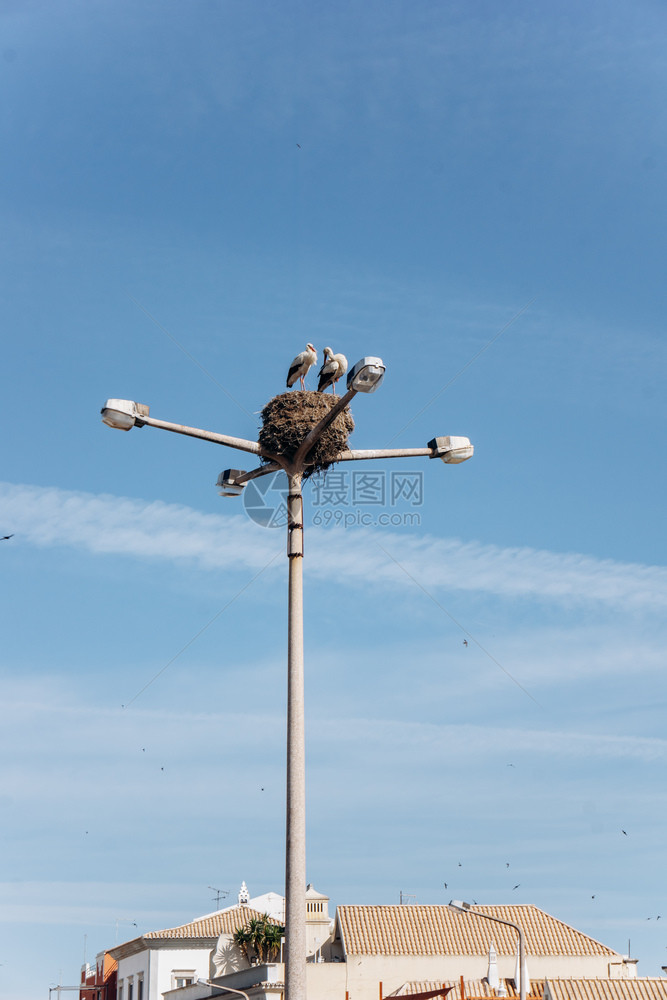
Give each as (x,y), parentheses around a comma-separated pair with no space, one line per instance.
(130,988)
(182,977)
(120,989)
(140,987)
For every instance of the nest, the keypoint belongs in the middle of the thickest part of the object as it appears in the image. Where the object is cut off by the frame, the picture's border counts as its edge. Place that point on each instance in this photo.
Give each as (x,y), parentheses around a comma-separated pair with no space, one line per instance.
(288,419)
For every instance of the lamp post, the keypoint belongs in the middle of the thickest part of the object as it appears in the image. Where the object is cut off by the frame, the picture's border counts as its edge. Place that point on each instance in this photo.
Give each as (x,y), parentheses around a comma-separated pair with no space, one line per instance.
(460,907)
(365,376)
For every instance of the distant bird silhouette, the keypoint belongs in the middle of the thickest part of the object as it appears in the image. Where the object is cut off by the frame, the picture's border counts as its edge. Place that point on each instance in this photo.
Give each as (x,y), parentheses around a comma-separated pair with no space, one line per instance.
(592,897)
(516,886)
(465,642)
(507,864)
(623,831)
(445,885)
(5,538)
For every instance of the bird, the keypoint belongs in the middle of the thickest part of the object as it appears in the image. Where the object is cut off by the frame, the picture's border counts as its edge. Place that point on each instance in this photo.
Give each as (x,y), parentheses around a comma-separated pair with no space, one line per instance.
(465,642)
(335,366)
(507,864)
(516,886)
(301,365)
(445,885)
(5,538)
(623,831)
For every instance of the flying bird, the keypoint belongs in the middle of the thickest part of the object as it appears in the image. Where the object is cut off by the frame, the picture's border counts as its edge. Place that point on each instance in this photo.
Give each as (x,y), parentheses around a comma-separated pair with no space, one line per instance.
(301,366)
(623,831)
(465,642)
(445,885)
(516,886)
(334,367)
(5,538)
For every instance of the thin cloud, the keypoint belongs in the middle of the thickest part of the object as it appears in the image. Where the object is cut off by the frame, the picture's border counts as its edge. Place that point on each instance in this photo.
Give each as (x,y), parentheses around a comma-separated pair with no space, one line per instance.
(104,524)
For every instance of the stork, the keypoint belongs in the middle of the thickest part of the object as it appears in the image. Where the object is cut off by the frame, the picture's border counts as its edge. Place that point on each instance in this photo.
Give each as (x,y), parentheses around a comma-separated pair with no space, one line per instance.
(301,365)
(334,367)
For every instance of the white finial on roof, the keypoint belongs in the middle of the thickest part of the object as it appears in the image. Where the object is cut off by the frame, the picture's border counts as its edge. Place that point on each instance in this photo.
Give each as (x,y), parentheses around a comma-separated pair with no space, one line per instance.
(244,895)
(492,976)
(502,989)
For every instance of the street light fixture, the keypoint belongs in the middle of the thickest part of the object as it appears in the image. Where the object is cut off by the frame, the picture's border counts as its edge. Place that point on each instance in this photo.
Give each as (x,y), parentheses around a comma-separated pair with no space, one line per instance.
(452,450)
(365,376)
(460,907)
(123,414)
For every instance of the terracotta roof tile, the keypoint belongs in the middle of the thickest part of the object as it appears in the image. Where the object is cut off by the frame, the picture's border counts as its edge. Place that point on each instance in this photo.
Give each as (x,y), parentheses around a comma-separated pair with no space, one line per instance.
(437,930)
(212,926)
(473,988)
(639,988)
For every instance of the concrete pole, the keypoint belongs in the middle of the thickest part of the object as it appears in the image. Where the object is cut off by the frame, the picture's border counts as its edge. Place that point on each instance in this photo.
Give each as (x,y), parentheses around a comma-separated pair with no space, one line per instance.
(295,860)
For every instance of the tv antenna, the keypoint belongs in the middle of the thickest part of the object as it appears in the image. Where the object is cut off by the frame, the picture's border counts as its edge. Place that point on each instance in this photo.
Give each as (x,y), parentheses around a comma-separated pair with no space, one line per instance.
(219,894)
(405,897)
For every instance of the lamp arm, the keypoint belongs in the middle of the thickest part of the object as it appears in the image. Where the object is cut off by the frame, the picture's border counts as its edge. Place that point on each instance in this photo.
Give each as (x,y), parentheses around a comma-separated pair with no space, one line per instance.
(358,455)
(231,442)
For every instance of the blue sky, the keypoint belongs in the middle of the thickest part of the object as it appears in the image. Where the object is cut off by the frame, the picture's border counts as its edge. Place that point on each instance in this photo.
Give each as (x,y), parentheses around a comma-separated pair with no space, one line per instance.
(475,193)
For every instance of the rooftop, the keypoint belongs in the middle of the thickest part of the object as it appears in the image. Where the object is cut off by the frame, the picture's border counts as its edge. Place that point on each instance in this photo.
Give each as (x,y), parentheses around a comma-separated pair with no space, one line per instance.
(437,930)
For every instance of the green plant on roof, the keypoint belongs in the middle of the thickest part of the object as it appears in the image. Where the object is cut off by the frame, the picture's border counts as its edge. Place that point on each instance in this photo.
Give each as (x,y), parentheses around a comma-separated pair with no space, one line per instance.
(260,935)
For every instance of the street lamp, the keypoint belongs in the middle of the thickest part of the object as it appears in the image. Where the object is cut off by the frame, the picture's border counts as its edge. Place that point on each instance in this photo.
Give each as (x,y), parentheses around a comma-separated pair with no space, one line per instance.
(365,376)
(460,907)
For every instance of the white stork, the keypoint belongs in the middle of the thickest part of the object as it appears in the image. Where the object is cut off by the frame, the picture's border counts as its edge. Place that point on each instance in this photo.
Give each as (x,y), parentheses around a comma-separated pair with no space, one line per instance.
(334,367)
(301,365)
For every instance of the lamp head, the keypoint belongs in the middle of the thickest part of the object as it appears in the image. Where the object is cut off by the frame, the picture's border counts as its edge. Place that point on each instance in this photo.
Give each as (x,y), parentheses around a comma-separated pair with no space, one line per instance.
(458,904)
(366,375)
(123,414)
(227,480)
(452,450)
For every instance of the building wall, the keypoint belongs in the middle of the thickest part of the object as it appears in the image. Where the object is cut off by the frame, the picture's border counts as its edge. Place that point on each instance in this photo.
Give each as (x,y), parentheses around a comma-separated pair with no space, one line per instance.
(158,966)
(227,957)
(364,972)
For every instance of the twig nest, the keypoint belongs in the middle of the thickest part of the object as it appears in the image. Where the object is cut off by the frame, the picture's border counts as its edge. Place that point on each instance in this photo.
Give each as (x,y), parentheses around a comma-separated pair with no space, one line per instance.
(289,418)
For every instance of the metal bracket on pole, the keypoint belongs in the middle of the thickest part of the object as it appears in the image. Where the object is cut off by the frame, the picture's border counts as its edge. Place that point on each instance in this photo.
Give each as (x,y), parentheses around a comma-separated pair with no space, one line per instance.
(294,525)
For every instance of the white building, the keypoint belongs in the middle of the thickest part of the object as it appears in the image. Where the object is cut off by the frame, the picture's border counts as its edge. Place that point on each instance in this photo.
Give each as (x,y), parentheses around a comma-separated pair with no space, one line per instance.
(160,961)
(371,951)
(399,950)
